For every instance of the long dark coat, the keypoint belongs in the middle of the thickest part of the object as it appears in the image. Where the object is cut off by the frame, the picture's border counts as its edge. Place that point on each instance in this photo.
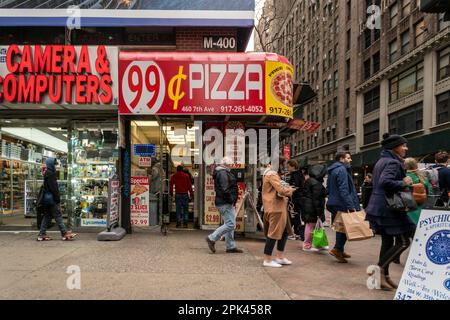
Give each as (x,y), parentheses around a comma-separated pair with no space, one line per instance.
(388,177)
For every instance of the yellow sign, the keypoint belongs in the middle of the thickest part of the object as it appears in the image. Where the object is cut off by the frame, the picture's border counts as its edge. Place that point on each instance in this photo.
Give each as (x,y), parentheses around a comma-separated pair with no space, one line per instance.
(279,89)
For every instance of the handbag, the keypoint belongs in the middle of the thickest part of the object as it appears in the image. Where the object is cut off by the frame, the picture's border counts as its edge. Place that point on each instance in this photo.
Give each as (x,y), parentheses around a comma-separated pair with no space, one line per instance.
(48,198)
(401,201)
(319,238)
(419,193)
(356,226)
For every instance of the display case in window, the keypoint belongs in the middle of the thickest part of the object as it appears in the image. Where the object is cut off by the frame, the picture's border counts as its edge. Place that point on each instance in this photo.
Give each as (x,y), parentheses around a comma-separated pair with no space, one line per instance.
(94,154)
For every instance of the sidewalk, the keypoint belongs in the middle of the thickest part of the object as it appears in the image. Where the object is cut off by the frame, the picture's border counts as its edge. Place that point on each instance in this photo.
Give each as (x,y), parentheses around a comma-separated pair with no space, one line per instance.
(146,265)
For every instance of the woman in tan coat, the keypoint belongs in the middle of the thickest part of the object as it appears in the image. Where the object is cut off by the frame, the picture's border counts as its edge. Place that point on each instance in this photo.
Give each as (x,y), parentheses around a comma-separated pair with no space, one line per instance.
(276,223)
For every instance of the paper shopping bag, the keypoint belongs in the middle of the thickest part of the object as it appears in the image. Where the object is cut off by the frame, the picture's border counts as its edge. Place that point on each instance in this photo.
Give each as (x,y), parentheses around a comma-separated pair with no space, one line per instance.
(356,227)
(338,223)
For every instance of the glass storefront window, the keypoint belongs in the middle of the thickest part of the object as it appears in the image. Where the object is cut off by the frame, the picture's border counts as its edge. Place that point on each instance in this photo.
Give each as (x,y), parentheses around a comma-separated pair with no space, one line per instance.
(93,156)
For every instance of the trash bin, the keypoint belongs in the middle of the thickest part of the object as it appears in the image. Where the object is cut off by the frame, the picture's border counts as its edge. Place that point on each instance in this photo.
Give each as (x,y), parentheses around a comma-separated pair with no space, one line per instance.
(154,209)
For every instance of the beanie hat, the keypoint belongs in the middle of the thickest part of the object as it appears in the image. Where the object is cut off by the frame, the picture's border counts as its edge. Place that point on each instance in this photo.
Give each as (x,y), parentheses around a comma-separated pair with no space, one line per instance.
(392,141)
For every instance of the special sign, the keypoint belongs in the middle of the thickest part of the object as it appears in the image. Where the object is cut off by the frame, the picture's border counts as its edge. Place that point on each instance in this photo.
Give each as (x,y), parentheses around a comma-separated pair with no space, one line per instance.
(56,74)
(205,83)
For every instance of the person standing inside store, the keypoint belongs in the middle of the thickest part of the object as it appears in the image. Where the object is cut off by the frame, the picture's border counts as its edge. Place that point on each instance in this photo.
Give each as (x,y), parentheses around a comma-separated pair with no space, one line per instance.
(276,222)
(298,181)
(183,192)
(442,161)
(226,188)
(49,200)
(342,197)
(389,177)
(366,191)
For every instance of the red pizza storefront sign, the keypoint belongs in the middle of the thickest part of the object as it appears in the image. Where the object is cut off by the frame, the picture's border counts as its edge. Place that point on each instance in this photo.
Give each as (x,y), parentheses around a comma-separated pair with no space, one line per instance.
(58,74)
(205,83)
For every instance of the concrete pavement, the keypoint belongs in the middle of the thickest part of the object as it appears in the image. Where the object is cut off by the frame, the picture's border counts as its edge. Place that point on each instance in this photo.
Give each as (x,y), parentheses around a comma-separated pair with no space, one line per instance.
(147,265)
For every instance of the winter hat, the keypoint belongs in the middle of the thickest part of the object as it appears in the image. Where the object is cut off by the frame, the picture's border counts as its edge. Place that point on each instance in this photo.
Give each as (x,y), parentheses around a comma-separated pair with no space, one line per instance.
(392,141)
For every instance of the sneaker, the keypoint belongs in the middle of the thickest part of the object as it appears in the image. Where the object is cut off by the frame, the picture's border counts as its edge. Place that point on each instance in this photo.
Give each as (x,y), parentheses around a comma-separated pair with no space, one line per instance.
(324,248)
(68,236)
(310,249)
(43,237)
(211,245)
(292,238)
(271,264)
(235,250)
(338,255)
(283,262)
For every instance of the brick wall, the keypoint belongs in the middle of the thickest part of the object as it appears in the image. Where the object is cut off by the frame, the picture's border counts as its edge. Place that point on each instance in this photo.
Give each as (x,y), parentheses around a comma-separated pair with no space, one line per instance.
(191,39)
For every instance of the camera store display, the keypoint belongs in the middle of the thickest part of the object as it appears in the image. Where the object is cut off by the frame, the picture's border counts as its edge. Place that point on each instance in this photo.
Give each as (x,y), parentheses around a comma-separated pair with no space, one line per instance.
(94,157)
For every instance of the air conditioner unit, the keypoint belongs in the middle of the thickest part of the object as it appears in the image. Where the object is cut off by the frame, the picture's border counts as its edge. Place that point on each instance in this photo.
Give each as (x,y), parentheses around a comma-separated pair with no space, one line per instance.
(333,127)
(328,129)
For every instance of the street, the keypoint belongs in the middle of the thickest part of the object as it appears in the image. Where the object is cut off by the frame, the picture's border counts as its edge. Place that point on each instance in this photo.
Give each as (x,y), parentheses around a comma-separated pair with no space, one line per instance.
(146,265)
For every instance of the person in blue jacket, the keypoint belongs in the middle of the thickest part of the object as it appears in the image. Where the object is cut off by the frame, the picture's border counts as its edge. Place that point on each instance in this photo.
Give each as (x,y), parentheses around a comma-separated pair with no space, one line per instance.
(389,176)
(342,196)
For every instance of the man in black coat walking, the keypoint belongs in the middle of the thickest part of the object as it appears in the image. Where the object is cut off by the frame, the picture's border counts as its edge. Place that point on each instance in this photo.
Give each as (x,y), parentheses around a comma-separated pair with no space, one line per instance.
(297,180)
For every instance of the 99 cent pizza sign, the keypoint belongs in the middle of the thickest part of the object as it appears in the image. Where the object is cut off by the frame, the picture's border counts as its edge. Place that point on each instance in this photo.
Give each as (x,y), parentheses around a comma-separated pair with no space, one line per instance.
(205,83)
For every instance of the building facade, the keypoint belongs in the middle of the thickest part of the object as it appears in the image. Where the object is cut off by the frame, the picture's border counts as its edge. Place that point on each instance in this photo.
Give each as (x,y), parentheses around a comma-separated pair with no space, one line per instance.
(403,82)
(320,38)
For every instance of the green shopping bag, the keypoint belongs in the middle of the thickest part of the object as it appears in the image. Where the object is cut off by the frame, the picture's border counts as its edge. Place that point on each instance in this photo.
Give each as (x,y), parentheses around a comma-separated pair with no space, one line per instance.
(320,239)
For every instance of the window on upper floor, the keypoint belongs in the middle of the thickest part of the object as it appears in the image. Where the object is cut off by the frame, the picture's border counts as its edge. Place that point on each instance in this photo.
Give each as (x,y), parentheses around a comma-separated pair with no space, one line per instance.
(372,132)
(443,24)
(336,79)
(367,69)
(405,42)
(406,120)
(376,62)
(393,51)
(347,69)
(406,83)
(406,8)
(443,108)
(372,100)
(347,98)
(420,32)
(393,14)
(444,64)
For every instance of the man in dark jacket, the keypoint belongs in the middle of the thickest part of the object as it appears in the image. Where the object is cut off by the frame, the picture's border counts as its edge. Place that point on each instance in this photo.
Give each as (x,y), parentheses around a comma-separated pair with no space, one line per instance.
(442,159)
(342,196)
(225,185)
(50,201)
(366,191)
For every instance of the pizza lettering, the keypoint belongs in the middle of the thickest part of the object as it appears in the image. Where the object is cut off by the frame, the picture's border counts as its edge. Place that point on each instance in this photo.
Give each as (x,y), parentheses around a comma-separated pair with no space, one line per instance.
(282,88)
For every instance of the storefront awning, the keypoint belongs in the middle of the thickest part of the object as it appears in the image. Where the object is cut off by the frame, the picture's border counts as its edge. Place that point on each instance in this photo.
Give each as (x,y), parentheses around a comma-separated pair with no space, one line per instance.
(205,83)
(132,13)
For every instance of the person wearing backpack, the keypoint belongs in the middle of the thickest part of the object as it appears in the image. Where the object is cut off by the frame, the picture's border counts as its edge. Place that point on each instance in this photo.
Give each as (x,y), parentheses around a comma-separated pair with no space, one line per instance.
(421,187)
(442,161)
(49,200)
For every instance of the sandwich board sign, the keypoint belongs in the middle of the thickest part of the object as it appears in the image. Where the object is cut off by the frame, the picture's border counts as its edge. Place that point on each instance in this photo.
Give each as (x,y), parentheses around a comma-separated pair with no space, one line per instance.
(427,271)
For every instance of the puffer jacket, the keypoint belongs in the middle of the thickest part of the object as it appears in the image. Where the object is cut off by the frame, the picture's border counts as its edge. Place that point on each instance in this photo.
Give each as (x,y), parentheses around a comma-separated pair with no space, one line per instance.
(313,197)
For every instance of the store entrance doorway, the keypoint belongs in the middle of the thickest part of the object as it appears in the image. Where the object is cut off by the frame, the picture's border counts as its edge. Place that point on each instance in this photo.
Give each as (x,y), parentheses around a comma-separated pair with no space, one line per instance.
(160,148)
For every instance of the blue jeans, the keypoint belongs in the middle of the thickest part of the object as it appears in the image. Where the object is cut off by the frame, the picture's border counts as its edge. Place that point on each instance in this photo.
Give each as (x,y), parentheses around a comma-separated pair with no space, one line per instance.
(229,216)
(182,203)
(341,238)
(52,211)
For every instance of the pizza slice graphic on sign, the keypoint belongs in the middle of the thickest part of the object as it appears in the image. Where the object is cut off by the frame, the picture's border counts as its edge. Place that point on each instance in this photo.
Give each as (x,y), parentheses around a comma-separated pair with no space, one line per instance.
(282,88)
